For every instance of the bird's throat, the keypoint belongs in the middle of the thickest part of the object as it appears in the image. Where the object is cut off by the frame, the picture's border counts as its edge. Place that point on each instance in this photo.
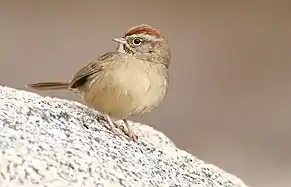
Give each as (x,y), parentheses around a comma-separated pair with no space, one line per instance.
(122,48)
(127,50)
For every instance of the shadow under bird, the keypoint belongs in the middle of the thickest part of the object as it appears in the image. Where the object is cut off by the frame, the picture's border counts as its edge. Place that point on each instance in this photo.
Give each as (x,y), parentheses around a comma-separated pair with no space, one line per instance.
(131,81)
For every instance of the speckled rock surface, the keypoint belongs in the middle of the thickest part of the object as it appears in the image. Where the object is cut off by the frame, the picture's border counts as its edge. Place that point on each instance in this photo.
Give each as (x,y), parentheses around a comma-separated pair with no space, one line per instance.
(57,143)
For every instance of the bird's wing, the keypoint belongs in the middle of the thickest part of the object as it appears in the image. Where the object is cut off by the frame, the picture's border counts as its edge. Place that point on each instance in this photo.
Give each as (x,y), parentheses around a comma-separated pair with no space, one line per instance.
(93,67)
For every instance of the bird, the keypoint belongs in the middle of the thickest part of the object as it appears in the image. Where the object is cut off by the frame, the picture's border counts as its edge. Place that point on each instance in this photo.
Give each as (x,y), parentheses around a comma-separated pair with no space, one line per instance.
(130,81)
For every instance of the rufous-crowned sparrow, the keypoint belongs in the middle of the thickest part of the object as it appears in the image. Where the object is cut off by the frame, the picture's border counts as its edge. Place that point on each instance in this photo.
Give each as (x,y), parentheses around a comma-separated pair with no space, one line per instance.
(129,82)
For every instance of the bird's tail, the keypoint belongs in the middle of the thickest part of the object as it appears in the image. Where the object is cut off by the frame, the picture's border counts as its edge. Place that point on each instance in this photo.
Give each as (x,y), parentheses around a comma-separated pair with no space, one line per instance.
(44,86)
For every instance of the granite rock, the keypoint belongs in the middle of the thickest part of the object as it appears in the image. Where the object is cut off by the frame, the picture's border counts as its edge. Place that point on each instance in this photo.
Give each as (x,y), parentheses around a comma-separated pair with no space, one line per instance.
(50,142)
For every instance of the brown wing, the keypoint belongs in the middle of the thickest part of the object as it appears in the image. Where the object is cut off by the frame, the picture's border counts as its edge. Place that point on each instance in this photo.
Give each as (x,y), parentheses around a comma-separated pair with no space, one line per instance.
(93,67)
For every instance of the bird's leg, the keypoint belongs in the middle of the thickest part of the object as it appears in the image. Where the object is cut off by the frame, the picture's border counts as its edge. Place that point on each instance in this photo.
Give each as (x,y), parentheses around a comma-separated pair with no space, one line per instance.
(112,126)
(128,131)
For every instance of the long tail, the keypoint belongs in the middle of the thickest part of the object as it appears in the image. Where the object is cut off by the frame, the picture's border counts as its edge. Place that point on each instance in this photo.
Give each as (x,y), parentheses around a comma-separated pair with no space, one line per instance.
(43,86)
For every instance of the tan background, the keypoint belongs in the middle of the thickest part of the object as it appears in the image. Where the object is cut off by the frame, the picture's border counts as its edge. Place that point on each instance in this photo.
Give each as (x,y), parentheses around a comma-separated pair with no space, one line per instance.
(230,97)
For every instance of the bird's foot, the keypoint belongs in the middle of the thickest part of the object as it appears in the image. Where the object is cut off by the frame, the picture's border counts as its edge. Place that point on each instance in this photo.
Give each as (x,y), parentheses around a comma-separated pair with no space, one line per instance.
(128,131)
(113,127)
(121,130)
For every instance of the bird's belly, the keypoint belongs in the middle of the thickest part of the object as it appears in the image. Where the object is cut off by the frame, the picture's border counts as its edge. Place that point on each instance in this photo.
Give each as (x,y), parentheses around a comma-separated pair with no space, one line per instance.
(114,101)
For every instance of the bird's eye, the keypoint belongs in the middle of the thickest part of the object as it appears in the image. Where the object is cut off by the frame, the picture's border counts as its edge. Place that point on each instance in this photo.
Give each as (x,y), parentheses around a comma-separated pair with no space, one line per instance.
(136,41)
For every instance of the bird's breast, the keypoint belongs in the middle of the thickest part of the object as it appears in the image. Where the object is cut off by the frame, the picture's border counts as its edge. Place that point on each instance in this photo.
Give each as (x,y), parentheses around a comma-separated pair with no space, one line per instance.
(129,89)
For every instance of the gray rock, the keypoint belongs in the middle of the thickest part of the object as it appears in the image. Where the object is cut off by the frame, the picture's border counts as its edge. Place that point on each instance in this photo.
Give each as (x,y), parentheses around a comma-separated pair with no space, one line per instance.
(57,143)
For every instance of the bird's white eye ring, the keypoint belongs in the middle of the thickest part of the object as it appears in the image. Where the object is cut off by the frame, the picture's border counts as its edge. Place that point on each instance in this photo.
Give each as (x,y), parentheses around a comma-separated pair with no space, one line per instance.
(136,41)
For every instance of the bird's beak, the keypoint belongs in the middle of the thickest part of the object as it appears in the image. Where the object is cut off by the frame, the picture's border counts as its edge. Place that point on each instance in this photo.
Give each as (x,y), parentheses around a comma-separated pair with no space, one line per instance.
(120,40)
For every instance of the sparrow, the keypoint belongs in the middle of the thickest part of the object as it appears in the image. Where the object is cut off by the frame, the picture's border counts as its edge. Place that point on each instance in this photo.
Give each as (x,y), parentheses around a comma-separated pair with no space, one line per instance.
(130,81)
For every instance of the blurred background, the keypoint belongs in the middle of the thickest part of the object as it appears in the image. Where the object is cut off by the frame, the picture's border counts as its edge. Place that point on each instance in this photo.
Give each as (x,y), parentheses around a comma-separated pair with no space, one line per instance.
(229,102)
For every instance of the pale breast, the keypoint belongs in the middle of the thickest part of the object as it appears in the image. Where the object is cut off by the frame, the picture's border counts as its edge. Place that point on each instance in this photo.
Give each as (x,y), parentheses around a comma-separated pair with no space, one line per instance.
(127,89)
